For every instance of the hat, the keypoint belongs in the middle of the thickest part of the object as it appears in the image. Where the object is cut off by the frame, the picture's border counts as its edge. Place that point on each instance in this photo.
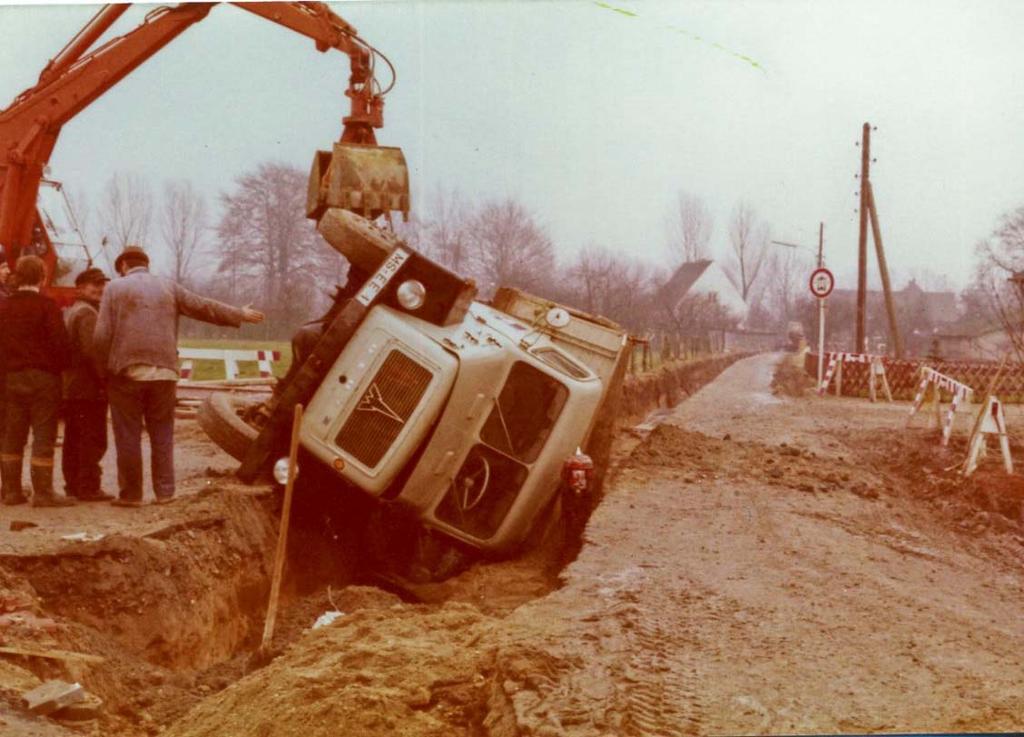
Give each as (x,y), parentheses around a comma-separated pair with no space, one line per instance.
(91,276)
(133,253)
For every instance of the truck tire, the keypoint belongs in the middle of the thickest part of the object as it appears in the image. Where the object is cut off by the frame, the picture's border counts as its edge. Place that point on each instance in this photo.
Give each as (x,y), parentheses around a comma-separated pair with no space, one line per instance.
(220,417)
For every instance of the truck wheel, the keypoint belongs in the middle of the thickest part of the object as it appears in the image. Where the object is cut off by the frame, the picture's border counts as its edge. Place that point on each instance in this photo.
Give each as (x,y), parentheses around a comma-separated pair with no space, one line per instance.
(220,417)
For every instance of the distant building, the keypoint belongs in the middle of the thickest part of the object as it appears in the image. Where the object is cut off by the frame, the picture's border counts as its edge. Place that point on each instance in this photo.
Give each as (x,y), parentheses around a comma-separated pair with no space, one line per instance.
(703,277)
(985,344)
(913,304)
(921,314)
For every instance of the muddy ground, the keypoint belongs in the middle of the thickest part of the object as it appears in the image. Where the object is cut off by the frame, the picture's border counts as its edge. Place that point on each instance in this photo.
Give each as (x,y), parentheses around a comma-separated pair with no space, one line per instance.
(762,563)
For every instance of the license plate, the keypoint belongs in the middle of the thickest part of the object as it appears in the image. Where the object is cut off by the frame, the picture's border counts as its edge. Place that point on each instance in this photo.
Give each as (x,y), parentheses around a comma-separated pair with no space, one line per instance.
(381,277)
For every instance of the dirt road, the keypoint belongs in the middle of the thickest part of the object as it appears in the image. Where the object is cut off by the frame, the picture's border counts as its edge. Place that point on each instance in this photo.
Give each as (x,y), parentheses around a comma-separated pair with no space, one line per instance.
(748,572)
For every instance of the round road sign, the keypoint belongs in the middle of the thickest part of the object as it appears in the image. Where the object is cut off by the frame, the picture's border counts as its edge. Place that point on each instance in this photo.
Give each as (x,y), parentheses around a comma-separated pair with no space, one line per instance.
(822,282)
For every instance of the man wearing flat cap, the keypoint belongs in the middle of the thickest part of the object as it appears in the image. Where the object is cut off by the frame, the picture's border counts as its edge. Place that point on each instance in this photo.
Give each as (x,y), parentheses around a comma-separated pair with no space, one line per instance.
(85,396)
(136,341)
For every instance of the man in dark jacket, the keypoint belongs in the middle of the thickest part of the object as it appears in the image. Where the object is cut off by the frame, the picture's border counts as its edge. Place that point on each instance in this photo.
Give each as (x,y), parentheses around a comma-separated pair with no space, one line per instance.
(35,349)
(85,397)
(136,340)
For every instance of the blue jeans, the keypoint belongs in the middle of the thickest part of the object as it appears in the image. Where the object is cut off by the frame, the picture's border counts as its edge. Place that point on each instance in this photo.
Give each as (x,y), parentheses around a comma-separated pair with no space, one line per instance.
(133,403)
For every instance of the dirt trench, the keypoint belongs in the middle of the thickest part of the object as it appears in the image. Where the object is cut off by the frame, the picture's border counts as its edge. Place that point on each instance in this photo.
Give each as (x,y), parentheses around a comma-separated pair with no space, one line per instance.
(164,609)
(174,604)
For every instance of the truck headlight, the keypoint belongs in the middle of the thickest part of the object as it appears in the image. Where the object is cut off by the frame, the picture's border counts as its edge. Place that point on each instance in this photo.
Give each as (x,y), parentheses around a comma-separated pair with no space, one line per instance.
(281,471)
(411,294)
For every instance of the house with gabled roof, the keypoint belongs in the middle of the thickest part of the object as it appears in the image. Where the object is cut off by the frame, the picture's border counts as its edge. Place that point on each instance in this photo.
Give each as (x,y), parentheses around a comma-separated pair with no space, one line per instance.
(704,277)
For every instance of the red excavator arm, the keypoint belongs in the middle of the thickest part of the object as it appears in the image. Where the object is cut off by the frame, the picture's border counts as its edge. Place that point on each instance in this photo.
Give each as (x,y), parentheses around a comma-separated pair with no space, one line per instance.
(29,127)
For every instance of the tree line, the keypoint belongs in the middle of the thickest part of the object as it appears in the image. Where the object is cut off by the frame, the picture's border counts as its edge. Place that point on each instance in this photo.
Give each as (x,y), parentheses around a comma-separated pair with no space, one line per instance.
(261,248)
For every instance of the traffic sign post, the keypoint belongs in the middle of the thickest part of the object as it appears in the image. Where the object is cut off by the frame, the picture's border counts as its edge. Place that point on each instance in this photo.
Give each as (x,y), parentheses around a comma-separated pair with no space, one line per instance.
(822,282)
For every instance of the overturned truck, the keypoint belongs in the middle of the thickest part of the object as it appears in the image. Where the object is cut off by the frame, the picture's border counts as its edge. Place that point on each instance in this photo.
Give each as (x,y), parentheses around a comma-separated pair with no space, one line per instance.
(474,420)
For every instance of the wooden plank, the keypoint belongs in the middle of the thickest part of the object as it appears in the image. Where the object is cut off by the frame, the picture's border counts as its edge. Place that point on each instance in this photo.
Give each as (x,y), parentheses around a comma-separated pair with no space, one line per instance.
(49,654)
(282,536)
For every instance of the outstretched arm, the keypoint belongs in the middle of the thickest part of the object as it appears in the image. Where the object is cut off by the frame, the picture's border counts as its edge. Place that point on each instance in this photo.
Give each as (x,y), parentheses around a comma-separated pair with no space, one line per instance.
(209,310)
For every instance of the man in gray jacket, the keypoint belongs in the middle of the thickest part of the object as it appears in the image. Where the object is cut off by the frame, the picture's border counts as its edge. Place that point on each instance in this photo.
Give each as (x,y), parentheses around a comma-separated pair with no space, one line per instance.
(136,339)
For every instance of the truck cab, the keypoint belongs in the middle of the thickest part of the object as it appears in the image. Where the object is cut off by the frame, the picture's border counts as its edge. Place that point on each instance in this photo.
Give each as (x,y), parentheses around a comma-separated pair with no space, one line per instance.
(468,425)
(458,413)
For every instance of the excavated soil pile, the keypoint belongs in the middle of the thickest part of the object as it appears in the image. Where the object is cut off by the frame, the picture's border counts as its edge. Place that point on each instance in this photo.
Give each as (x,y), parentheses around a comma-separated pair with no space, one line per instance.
(790,380)
(390,668)
(694,457)
(989,499)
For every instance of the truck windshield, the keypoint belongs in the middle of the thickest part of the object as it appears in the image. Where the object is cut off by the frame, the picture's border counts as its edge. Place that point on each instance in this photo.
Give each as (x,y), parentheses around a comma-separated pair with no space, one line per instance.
(524,413)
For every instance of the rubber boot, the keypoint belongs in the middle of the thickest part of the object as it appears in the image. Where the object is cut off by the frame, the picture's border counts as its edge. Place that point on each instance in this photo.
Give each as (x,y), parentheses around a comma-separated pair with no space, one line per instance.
(10,473)
(42,488)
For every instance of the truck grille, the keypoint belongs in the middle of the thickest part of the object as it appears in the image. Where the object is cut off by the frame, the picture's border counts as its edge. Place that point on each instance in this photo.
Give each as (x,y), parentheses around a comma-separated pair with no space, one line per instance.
(384,408)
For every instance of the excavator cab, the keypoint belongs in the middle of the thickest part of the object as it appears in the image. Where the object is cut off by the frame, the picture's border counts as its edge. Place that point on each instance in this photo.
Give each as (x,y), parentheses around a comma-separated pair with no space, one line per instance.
(58,240)
(366,179)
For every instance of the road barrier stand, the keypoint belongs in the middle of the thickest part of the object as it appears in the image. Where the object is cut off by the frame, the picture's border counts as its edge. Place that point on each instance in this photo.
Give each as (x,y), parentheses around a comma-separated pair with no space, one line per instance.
(930,390)
(230,358)
(876,373)
(991,421)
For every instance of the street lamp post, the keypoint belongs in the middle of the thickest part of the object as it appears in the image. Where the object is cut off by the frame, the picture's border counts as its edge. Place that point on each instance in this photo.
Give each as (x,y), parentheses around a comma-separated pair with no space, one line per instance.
(821,300)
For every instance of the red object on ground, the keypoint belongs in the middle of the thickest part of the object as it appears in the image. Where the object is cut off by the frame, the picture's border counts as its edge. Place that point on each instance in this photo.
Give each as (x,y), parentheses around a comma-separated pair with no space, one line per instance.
(578,472)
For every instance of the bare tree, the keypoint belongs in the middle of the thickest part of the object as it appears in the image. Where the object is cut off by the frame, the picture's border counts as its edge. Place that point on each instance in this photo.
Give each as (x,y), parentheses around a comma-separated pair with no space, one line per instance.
(509,248)
(270,250)
(783,284)
(446,232)
(630,296)
(126,210)
(998,276)
(748,238)
(80,211)
(689,228)
(698,314)
(183,226)
(592,274)
(411,232)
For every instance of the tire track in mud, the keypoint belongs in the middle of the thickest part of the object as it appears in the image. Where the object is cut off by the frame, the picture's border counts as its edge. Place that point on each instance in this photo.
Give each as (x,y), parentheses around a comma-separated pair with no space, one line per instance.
(660,687)
(627,671)
(656,692)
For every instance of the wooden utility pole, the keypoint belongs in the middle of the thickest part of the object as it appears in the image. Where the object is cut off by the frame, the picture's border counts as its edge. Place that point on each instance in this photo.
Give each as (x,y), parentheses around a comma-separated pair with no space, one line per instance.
(869,213)
(883,268)
(862,240)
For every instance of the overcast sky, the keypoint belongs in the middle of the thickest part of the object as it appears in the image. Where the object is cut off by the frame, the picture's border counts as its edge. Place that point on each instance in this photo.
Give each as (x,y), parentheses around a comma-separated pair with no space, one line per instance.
(596,118)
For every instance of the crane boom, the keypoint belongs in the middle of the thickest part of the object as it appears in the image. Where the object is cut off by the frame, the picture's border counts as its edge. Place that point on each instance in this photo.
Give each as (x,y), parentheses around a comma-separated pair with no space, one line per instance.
(76,77)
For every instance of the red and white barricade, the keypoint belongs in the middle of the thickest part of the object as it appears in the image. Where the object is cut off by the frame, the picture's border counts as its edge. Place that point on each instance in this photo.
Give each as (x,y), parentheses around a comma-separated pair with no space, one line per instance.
(230,359)
(834,369)
(932,382)
(991,421)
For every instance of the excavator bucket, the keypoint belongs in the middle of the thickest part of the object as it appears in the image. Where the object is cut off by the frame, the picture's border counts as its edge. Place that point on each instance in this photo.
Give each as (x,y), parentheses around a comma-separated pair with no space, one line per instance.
(367,180)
